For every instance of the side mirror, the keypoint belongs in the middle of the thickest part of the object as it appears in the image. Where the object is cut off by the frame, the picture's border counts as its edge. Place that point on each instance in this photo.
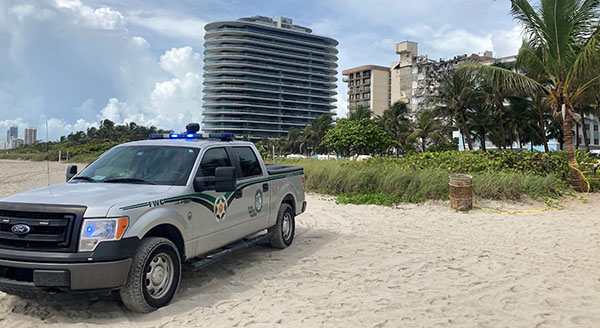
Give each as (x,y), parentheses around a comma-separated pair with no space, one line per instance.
(225,179)
(71,171)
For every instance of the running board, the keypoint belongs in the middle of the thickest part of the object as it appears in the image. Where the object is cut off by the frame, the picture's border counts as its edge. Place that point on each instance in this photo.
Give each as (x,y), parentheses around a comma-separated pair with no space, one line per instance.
(211,258)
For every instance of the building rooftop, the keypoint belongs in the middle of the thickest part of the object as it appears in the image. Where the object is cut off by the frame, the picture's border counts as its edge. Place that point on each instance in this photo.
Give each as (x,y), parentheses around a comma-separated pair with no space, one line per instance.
(364,68)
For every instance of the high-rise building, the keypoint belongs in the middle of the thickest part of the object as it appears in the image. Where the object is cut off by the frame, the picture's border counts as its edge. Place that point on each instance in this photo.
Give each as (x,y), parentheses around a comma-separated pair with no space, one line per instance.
(30,135)
(15,143)
(12,132)
(263,76)
(369,87)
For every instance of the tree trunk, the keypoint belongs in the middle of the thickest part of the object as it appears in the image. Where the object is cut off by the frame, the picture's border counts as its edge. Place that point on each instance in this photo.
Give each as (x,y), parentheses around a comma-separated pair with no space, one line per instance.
(519,136)
(576,135)
(584,132)
(483,147)
(423,144)
(500,109)
(577,180)
(466,132)
(542,123)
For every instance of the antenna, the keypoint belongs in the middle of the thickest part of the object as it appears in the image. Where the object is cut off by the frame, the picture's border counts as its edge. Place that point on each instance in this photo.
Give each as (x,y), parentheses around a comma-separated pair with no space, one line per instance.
(48,156)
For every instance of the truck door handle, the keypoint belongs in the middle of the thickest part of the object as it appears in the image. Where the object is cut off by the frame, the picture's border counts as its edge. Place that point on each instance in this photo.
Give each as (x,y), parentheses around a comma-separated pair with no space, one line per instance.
(238,193)
(265,187)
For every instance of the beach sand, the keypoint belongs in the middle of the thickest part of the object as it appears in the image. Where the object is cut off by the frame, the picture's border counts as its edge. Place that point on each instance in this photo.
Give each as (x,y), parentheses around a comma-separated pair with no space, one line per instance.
(416,265)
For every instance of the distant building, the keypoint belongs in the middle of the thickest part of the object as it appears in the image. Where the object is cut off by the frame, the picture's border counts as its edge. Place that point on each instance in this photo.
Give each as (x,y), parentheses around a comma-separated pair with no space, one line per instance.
(12,132)
(16,143)
(410,80)
(263,77)
(30,135)
(3,145)
(416,77)
(369,87)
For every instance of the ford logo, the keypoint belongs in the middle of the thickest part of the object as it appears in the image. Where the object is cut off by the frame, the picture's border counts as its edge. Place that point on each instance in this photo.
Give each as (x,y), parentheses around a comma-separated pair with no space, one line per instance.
(20,229)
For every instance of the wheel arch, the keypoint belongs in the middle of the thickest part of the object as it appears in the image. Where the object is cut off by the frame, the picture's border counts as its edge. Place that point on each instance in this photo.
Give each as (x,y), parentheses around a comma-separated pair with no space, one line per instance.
(170,232)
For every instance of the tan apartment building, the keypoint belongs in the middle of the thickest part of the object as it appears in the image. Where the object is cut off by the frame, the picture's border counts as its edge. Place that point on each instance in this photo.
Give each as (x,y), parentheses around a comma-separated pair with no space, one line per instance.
(368,86)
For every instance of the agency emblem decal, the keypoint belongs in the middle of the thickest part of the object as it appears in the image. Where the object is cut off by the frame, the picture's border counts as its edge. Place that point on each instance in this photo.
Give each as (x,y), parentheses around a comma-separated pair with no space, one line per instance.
(220,208)
(258,201)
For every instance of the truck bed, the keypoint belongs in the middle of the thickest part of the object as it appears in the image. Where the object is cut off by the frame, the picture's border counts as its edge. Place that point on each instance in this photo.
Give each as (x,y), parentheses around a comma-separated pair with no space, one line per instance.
(273,169)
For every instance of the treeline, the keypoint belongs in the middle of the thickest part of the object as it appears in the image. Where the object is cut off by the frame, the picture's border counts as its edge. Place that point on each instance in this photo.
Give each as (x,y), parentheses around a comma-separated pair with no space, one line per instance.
(394,132)
(83,146)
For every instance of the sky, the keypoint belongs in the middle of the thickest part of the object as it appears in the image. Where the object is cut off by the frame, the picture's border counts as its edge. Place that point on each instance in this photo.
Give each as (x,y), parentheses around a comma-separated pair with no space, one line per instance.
(72,63)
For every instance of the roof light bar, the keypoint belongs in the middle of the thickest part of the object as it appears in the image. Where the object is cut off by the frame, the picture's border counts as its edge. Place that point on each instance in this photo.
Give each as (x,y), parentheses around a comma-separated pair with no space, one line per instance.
(189,136)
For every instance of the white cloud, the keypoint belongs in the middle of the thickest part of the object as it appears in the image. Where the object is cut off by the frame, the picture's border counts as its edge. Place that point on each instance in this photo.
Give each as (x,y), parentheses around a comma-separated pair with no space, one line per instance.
(446,39)
(101,18)
(22,10)
(507,42)
(172,26)
(180,61)
(141,42)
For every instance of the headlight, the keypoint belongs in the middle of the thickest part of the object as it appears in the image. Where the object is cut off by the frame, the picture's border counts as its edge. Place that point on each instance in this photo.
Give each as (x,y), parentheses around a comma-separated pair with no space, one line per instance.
(95,231)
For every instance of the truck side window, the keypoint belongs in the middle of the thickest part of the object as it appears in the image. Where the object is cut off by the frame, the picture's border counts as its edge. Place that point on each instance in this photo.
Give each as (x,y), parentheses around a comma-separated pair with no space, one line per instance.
(248,161)
(213,158)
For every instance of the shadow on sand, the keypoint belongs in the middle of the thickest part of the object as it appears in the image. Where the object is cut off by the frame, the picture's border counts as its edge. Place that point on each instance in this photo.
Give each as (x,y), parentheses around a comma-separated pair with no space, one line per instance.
(206,288)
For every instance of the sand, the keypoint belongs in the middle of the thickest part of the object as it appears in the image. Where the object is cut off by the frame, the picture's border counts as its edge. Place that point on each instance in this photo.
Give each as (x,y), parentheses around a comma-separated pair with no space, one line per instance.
(371,266)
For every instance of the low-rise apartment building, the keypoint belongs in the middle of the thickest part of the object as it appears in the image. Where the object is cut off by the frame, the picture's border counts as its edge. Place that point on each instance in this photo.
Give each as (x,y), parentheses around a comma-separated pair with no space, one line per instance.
(369,87)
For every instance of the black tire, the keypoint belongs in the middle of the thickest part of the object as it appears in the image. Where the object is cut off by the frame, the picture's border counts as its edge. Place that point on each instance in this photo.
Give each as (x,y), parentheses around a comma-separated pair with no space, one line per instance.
(281,237)
(135,293)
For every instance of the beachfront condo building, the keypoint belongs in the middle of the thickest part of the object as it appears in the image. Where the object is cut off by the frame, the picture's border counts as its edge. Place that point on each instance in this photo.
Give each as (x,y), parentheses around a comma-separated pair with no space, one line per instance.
(30,135)
(12,132)
(369,87)
(263,77)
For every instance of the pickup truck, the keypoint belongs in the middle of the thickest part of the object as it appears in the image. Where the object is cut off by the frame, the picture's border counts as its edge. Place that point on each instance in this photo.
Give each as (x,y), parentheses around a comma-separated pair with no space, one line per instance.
(130,220)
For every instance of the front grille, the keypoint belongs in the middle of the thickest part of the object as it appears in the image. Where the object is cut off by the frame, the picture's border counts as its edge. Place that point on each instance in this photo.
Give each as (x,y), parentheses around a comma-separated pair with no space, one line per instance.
(51,228)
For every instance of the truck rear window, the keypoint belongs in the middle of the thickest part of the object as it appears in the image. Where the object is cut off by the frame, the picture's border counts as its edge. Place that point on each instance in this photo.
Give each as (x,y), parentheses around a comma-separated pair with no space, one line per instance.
(248,161)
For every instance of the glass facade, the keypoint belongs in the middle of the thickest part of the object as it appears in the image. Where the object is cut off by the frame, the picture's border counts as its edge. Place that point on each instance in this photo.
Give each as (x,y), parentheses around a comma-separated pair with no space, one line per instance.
(262,79)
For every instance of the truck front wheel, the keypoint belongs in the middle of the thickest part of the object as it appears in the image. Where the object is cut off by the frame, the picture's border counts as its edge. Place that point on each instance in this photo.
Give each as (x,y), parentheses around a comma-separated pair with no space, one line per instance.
(282,233)
(154,275)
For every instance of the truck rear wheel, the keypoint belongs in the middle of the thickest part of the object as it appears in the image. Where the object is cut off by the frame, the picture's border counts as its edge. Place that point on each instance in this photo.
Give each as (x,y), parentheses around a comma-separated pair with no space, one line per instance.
(154,275)
(282,233)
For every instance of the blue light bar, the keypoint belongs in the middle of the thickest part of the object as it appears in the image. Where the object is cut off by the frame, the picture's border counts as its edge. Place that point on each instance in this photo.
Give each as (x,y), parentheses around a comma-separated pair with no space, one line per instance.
(189,136)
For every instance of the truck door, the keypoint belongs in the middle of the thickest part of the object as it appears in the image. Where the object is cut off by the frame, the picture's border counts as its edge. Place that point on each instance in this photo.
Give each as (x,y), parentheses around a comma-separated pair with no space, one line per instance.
(212,213)
(253,184)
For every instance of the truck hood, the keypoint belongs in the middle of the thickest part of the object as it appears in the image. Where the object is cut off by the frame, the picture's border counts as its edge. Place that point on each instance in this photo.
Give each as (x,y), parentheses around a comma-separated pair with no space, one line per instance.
(98,197)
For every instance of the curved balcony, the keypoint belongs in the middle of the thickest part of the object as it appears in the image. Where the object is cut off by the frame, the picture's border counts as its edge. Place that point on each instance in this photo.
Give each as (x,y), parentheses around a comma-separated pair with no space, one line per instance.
(320,87)
(242,96)
(250,104)
(272,43)
(233,55)
(268,50)
(278,36)
(212,65)
(215,89)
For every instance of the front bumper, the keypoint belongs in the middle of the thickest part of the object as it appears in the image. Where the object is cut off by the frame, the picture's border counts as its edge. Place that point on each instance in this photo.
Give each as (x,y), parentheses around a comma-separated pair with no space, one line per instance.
(106,267)
(63,276)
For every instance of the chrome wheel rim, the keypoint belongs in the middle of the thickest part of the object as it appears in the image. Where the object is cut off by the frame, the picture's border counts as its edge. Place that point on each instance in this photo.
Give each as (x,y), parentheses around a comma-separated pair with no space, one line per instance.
(286,226)
(159,276)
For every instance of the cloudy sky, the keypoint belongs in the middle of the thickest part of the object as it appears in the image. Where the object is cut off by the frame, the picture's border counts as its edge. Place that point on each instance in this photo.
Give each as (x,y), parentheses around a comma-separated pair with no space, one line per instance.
(73,63)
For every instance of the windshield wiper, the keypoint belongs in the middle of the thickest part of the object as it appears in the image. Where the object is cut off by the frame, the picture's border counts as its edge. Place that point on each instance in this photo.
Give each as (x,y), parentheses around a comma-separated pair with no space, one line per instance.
(127,180)
(84,178)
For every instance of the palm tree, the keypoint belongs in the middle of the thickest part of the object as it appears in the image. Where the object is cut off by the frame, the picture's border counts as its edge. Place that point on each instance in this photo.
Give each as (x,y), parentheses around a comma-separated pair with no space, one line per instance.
(425,127)
(315,132)
(455,95)
(395,122)
(480,120)
(359,114)
(562,42)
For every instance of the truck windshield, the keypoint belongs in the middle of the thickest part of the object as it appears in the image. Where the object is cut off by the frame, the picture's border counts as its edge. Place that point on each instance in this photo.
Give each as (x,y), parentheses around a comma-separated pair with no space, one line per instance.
(162,165)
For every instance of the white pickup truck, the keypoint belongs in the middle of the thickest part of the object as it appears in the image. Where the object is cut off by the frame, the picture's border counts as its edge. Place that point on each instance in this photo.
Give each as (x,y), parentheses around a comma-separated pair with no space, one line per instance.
(130,220)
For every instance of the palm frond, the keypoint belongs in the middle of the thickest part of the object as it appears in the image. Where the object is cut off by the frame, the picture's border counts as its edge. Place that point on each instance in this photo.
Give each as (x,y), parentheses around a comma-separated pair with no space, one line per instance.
(500,78)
